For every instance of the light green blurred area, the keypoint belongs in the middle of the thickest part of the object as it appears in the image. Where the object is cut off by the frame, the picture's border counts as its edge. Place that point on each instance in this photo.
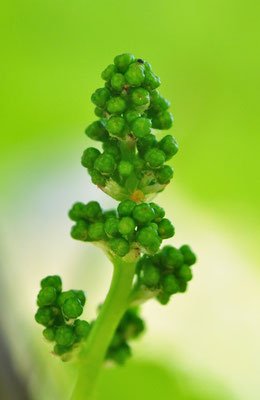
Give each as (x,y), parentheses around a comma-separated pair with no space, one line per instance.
(207,55)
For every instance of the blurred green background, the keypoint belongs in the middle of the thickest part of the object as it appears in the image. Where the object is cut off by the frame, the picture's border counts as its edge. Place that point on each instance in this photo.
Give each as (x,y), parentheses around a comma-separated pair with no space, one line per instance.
(205,344)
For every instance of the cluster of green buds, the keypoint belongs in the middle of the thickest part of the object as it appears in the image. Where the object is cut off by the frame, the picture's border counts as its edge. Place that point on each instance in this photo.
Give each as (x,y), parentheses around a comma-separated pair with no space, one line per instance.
(132,226)
(130,327)
(165,273)
(129,106)
(130,167)
(58,312)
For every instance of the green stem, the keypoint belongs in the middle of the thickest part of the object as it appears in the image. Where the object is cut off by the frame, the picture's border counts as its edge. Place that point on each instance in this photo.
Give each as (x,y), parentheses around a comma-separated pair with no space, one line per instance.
(140,294)
(94,351)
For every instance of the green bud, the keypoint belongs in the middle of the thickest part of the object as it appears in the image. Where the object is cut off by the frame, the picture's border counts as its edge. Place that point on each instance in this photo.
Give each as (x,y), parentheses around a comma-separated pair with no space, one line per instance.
(89,157)
(131,115)
(118,82)
(110,214)
(189,256)
(151,81)
(119,246)
(100,97)
(141,127)
(151,275)
(126,226)
(105,163)
(96,231)
(165,229)
(163,298)
(93,211)
(125,168)
(81,295)
(59,319)
(123,61)
(154,157)
(169,146)
(138,163)
(144,260)
(182,286)
(147,66)
(111,147)
(49,334)
(154,226)
(140,97)
(146,143)
(171,257)
(72,308)
(60,350)
(115,125)
(162,121)
(65,335)
(121,354)
(47,296)
(97,131)
(135,74)
(131,325)
(44,316)
(68,294)
(149,239)
(99,112)
(158,211)
(79,231)
(111,227)
(170,284)
(116,105)
(78,211)
(185,273)
(143,213)
(108,72)
(52,280)
(158,102)
(125,208)
(154,96)
(82,328)
(164,174)
(96,177)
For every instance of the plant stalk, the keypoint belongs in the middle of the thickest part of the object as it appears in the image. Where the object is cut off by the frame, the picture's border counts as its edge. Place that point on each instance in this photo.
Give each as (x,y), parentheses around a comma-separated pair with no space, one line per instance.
(94,350)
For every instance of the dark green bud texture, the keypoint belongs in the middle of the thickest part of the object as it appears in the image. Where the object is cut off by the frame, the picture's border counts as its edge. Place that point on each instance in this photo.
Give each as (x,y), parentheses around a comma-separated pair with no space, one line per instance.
(72,308)
(53,281)
(59,317)
(46,296)
(130,327)
(130,166)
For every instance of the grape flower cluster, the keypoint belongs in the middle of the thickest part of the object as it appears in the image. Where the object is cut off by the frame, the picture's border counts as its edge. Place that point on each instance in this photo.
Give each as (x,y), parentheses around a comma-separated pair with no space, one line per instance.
(165,273)
(130,166)
(58,312)
(141,227)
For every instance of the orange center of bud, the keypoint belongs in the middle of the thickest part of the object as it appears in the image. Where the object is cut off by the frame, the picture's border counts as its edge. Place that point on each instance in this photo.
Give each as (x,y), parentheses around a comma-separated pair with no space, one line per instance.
(137,196)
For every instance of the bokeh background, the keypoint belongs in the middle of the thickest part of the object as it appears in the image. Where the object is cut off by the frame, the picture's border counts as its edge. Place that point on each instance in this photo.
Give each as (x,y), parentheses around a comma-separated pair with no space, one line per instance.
(205,344)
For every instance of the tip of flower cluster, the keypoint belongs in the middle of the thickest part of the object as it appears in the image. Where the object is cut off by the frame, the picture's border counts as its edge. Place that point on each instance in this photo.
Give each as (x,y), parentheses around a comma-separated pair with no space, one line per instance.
(129,106)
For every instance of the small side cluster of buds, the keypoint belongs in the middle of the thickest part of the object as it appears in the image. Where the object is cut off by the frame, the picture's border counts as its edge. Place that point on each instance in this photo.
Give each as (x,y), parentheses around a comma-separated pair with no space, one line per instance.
(59,311)
(130,327)
(166,273)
